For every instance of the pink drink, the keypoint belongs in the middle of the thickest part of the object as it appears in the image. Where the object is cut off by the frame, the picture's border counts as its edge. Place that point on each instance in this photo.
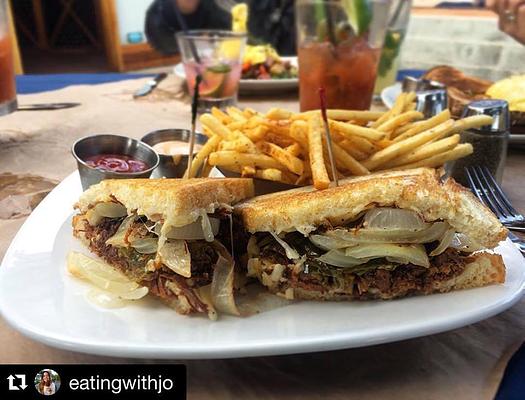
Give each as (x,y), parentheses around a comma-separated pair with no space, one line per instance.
(220,81)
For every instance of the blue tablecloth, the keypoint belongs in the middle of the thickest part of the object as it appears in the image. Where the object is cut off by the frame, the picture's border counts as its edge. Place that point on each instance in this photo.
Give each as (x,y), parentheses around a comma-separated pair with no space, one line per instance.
(42,83)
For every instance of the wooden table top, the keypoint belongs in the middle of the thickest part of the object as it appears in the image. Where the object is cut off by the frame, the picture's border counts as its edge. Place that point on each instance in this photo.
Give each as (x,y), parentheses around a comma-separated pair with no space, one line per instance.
(466,363)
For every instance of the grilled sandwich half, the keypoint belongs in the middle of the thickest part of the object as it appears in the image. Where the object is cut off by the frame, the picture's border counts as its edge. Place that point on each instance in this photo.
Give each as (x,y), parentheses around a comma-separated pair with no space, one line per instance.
(380,236)
(171,235)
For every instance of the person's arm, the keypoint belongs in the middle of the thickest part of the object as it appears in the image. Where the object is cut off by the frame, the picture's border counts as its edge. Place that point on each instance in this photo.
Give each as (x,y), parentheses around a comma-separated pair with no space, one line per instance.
(511,17)
(162,23)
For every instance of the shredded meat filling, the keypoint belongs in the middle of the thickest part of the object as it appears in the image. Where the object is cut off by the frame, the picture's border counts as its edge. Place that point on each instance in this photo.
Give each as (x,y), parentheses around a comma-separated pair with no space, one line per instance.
(132,263)
(401,281)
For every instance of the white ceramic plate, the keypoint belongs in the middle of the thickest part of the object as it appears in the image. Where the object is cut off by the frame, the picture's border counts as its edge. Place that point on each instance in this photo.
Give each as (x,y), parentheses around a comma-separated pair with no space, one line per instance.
(256,86)
(389,96)
(42,301)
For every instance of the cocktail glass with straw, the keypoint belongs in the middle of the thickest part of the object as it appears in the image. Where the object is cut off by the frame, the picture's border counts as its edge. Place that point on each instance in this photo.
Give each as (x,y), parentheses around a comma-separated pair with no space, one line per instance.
(339,43)
(216,56)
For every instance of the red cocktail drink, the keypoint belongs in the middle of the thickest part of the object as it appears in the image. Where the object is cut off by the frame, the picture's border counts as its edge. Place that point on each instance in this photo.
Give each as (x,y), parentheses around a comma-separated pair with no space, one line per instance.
(346,71)
(339,43)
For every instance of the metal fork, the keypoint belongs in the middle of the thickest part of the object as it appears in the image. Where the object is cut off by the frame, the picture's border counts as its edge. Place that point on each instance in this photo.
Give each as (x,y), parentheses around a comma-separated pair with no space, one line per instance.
(489,193)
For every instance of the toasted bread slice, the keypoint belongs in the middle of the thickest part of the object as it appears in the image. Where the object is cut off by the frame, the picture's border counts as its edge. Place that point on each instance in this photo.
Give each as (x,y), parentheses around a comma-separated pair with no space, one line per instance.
(178,201)
(419,190)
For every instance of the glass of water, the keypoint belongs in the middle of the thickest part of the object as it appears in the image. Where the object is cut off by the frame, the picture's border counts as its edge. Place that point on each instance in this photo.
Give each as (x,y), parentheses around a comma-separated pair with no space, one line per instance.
(216,56)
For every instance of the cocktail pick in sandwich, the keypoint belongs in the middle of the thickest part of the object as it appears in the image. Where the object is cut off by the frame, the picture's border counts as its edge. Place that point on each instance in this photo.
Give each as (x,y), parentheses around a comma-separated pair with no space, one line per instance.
(194,105)
(322,97)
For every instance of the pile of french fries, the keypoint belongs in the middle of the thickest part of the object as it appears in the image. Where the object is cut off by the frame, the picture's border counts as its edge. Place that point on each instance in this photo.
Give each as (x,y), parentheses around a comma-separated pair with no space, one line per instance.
(292,147)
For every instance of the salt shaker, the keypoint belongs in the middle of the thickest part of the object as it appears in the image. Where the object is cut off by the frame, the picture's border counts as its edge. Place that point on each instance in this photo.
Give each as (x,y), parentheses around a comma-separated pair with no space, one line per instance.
(489,142)
(431,102)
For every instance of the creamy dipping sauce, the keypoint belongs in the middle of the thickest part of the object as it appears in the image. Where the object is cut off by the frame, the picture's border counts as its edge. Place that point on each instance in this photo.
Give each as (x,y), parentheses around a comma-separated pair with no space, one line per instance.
(175,147)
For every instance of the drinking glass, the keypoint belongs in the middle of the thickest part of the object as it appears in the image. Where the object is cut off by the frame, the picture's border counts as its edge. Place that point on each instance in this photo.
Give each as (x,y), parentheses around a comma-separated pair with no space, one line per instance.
(395,34)
(7,70)
(217,57)
(339,43)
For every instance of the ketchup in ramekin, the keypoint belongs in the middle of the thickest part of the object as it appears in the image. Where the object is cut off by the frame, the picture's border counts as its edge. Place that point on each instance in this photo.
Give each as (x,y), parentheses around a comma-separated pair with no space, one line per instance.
(116,163)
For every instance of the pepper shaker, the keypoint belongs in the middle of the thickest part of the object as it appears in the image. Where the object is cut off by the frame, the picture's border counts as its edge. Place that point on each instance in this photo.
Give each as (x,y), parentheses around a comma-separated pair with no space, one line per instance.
(489,142)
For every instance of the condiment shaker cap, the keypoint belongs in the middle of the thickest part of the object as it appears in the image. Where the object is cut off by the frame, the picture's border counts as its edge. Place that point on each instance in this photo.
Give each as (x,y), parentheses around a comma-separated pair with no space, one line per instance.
(497,109)
(431,102)
(411,84)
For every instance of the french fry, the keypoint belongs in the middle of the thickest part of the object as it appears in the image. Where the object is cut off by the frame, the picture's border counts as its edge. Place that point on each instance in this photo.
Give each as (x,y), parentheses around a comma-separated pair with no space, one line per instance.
(249,112)
(270,174)
(205,170)
(215,126)
(356,130)
(395,111)
(236,114)
(241,144)
(221,116)
(278,126)
(410,104)
(278,113)
(207,131)
(398,106)
(236,125)
(254,122)
(203,153)
(256,134)
(341,115)
(289,177)
(294,149)
(248,171)
(382,144)
(406,146)
(291,162)
(224,158)
(474,121)
(346,161)
(421,126)
(381,120)
(230,167)
(410,107)
(315,146)
(426,151)
(399,120)
(350,149)
(363,145)
(461,150)
(279,139)
(299,132)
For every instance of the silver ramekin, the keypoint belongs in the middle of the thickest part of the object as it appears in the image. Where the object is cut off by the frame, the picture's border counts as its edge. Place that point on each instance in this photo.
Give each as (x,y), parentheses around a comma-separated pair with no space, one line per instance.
(111,144)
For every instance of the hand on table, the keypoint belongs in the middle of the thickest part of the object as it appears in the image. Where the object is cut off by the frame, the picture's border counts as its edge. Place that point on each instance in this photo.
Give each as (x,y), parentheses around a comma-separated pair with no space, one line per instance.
(511,17)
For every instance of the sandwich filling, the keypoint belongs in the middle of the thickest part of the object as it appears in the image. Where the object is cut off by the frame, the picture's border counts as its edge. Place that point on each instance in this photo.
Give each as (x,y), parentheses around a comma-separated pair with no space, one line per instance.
(384,253)
(190,267)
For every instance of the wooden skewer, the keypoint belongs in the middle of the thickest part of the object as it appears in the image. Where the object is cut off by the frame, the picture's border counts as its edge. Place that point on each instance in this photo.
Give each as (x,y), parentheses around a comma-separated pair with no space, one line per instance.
(194,105)
(322,97)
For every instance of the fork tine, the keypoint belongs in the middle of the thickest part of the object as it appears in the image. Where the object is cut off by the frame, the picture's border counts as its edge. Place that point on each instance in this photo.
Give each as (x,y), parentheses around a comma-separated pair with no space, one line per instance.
(503,197)
(489,189)
(473,185)
(488,200)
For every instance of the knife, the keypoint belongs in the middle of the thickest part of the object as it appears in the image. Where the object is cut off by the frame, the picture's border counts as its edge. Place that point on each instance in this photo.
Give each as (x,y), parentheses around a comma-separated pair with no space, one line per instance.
(150,85)
(46,106)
